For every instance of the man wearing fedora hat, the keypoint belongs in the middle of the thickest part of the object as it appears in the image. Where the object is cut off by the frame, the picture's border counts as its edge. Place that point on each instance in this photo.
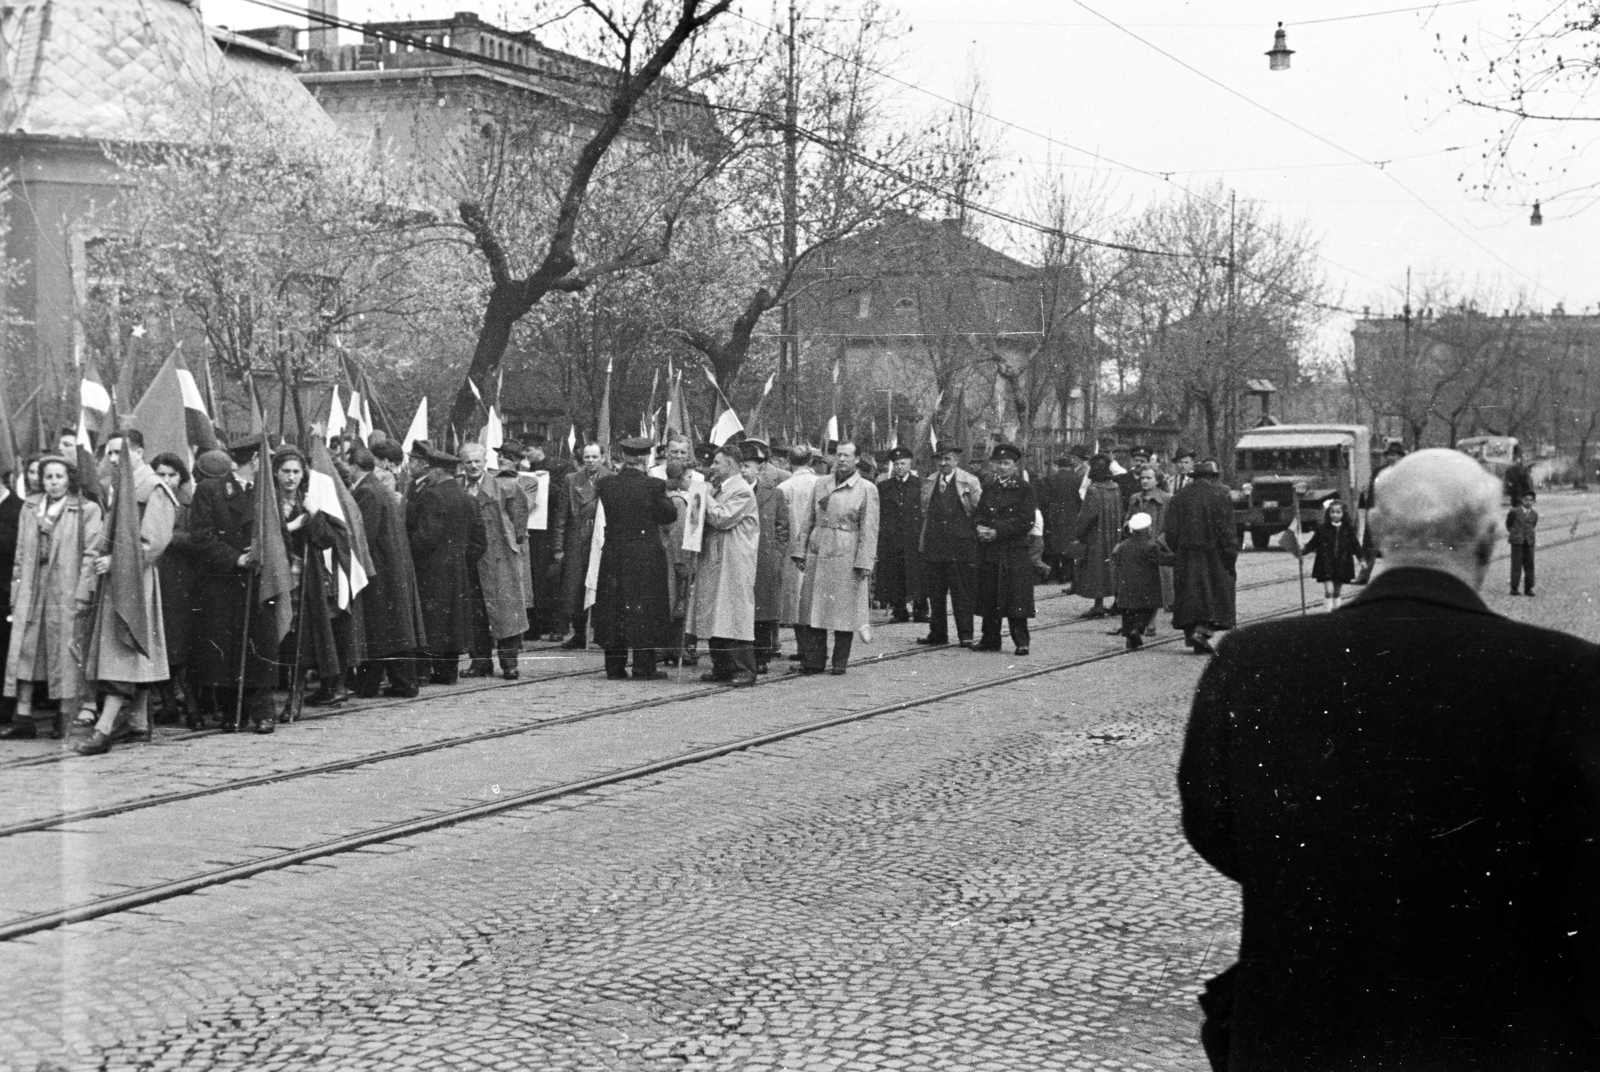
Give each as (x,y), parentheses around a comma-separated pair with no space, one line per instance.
(447,539)
(949,546)
(1199,530)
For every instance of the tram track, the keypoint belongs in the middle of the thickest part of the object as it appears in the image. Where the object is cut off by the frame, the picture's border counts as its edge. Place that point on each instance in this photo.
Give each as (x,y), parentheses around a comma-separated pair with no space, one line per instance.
(440,819)
(461,740)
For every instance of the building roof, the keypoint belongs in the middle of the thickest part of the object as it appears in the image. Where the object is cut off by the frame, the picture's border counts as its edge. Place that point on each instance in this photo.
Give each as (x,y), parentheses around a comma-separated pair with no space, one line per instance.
(911,245)
(136,70)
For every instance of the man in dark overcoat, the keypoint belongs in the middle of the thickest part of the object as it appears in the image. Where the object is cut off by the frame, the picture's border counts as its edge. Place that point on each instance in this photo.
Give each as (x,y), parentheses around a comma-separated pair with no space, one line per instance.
(574,533)
(1060,499)
(898,577)
(447,539)
(1199,531)
(773,553)
(1003,519)
(1407,792)
(222,521)
(949,546)
(631,606)
(10,521)
(389,603)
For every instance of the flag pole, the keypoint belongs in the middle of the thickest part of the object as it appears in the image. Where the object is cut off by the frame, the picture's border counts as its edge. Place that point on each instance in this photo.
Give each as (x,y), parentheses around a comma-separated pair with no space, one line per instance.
(295,704)
(244,641)
(1300,563)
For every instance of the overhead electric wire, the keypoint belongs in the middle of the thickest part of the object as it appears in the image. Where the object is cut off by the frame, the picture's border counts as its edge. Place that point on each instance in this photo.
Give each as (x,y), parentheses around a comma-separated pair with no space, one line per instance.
(1000,215)
(1324,140)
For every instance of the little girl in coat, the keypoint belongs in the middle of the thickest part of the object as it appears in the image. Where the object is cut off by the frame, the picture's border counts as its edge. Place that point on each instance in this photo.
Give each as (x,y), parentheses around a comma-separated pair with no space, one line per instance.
(1336,548)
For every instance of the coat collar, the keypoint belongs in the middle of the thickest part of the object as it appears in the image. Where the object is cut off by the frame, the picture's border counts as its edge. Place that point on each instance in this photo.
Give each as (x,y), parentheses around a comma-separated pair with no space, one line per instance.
(1425,585)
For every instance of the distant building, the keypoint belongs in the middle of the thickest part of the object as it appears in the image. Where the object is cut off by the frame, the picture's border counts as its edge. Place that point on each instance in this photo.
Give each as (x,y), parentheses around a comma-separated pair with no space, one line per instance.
(914,304)
(74,76)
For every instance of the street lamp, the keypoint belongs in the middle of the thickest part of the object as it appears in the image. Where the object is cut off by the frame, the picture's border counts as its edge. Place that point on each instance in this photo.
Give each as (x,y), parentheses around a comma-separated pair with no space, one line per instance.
(1280,52)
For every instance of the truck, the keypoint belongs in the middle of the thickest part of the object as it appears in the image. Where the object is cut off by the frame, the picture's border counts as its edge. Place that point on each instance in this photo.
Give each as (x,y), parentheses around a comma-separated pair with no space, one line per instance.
(1495,453)
(1288,472)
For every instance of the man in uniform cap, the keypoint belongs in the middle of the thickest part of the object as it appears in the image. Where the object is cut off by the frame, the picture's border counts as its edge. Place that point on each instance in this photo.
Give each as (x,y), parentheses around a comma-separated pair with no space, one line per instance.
(447,539)
(704,455)
(773,552)
(898,579)
(1199,530)
(1003,519)
(631,606)
(949,546)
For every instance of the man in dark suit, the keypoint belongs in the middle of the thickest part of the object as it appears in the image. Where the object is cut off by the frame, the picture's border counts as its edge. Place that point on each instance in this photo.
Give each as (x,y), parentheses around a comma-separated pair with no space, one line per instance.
(574,530)
(388,604)
(898,578)
(631,607)
(950,547)
(1407,791)
(447,539)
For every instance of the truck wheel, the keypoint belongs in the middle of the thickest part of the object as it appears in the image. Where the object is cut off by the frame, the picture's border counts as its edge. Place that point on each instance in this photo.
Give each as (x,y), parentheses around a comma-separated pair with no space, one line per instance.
(1260,539)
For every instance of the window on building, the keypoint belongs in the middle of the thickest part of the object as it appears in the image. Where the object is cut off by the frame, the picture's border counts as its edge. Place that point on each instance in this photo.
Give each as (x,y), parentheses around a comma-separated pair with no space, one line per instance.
(863,305)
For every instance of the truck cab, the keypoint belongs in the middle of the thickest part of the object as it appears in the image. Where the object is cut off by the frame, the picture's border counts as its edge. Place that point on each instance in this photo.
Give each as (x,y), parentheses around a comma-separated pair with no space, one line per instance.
(1288,472)
(1495,453)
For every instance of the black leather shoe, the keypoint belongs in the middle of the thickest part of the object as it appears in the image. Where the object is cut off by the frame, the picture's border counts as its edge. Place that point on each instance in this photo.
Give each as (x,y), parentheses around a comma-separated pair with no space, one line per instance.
(1202,646)
(899,619)
(511,675)
(810,670)
(401,694)
(986,645)
(1528,592)
(1022,649)
(478,671)
(20,731)
(265,727)
(98,745)
(229,727)
(762,668)
(933,641)
(1114,632)
(1094,612)
(712,677)
(322,698)
(126,732)
(796,657)
(742,681)
(837,671)
(1135,642)
(577,643)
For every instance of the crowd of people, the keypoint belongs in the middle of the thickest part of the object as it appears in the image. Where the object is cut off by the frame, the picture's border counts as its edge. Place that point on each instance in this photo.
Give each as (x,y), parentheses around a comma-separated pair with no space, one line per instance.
(145,593)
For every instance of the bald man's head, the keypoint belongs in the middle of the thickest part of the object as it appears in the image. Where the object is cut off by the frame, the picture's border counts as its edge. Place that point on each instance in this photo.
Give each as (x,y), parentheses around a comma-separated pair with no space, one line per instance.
(1437,505)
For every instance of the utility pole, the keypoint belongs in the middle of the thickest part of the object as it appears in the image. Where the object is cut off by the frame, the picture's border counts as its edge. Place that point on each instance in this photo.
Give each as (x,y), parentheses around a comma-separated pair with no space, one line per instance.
(1405,342)
(789,344)
(1231,415)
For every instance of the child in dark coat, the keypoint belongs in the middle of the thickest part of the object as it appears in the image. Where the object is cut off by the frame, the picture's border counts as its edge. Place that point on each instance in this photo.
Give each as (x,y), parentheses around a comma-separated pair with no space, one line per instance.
(1138,570)
(1336,548)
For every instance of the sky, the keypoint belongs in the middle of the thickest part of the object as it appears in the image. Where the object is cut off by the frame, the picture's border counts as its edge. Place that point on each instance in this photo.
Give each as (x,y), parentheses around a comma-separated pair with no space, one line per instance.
(1360,140)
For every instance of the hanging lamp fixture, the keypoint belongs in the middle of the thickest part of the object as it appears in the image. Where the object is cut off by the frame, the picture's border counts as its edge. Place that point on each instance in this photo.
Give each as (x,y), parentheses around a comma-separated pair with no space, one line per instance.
(1278,55)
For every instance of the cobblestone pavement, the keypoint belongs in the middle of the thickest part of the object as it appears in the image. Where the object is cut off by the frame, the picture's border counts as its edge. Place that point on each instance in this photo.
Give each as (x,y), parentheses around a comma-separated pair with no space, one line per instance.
(995,881)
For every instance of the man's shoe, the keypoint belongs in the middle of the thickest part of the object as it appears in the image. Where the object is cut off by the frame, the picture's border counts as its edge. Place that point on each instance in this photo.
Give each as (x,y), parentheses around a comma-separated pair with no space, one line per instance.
(986,645)
(965,642)
(712,677)
(126,732)
(511,675)
(23,730)
(762,668)
(324,698)
(265,727)
(228,727)
(796,657)
(1114,632)
(1022,649)
(1149,630)
(933,641)
(654,675)
(1515,592)
(98,745)
(576,643)
(837,671)
(478,671)
(899,617)
(402,694)
(920,616)
(1202,646)
(1527,592)
(742,681)
(1135,642)
(809,670)
(1094,612)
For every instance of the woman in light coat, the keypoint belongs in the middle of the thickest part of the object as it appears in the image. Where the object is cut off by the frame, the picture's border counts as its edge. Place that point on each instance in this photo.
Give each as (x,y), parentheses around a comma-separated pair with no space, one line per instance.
(52,584)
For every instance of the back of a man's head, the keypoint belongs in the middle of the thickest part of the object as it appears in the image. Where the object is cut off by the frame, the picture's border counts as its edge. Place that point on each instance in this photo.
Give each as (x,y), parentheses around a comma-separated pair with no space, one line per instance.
(1437,508)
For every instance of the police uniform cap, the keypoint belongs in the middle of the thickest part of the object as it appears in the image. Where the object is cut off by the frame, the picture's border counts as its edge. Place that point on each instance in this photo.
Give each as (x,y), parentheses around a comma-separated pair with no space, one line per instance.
(899,453)
(438,458)
(755,450)
(242,448)
(1002,451)
(705,451)
(1183,452)
(1140,452)
(635,447)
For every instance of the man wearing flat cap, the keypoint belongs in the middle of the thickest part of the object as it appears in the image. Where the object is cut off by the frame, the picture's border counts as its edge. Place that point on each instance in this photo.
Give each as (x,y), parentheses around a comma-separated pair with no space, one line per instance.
(773,553)
(949,546)
(631,609)
(898,580)
(1199,531)
(1003,519)
(447,540)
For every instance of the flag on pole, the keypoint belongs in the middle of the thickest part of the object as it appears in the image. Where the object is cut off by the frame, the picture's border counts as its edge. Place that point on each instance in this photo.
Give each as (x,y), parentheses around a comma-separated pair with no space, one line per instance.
(572,441)
(492,437)
(275,580)
(755,414)
(88,475)
(419,427)
(348,559)
(93,396)
(831,434)
(727,424)
(336,417)
(124,584)
(172,415)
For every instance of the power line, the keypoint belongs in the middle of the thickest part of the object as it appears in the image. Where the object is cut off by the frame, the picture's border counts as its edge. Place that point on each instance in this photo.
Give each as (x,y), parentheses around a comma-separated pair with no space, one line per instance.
(1324,140)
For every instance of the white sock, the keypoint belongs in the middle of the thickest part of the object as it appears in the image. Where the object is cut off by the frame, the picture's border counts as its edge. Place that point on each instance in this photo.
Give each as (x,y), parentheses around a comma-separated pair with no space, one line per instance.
(1327,602)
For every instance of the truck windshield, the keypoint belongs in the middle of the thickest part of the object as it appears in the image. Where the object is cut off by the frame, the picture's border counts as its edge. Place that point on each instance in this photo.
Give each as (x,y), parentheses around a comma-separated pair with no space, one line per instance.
(1295,459)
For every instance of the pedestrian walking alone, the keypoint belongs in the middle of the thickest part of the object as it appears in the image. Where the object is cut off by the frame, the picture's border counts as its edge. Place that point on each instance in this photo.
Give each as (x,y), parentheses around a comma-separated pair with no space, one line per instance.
(1522,525)
(1199,531)
(1336,547)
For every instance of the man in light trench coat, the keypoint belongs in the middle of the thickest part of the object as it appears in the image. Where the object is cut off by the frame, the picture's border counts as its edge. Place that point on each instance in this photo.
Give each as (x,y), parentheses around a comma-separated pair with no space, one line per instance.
(724,600)
(835,548)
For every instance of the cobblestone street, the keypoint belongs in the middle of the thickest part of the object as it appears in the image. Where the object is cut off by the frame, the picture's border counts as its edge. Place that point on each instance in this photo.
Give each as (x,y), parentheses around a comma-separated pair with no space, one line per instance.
(995,880)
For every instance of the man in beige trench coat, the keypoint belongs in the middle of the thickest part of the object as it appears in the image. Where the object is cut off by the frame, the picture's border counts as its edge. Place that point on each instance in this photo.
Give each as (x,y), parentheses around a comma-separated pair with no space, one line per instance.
(723,605)
(835,548)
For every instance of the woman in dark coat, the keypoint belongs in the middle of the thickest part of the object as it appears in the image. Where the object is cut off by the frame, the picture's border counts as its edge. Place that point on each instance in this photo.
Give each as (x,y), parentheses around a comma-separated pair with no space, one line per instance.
(176,568)
(1336,548)
(1098,529)
(1004,518)
(447,539)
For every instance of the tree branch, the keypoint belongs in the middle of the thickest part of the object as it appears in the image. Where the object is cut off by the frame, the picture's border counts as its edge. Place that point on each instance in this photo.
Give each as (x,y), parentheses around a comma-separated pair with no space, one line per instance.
(473,216)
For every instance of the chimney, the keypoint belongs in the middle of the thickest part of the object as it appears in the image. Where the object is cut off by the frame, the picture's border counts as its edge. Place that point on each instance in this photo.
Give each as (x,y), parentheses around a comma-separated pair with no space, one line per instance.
(322,38)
